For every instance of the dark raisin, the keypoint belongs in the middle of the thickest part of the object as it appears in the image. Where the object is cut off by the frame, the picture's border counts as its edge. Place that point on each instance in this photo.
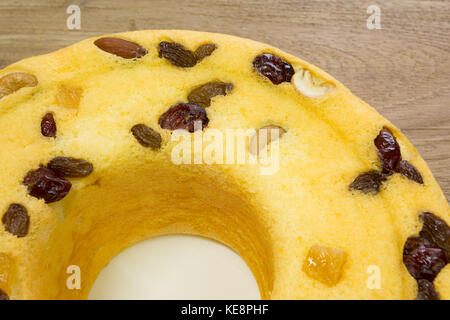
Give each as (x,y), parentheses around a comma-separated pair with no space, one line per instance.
(146,136)
(426,290)
(16,220)
(3,295)
(368,182)
(44,183)
(202,95)
(48,126)
(422,259)
(71,167)
(120,47)
(274,68)
(388,150)
(436,231)
(205,50)
(184,116)
(408,170)
(177,54)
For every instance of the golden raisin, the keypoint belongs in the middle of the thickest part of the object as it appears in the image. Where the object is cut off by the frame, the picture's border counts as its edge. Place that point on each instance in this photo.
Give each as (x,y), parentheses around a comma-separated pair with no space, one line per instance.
(202,95)
(368,182)
(205,50)
(407,169)
(325,264)
(16,220)
(71,167)
(146,136)
(177,54)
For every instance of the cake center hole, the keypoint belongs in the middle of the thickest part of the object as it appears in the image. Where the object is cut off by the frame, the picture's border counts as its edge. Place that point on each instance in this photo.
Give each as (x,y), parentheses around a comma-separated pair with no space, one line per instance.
(176,267)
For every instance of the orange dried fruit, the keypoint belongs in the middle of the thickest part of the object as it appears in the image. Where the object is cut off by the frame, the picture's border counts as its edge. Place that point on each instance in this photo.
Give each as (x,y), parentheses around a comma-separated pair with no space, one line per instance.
(325,264)
(68,96)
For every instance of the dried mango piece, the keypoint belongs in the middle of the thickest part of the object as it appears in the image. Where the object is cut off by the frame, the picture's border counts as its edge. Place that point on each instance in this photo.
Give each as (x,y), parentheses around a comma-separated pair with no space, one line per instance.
(68,97)
(325,264)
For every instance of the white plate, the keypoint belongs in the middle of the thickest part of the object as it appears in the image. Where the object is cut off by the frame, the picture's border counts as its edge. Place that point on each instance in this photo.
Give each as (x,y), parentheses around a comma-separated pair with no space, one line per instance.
(176,267)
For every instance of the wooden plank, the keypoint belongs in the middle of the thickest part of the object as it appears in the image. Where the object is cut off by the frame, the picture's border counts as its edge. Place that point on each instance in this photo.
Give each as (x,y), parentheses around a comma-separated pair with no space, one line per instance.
(402,69)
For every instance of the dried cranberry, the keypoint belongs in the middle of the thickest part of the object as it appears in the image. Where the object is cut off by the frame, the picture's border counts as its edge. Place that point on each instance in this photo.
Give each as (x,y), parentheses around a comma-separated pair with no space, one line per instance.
(368,182)
(3,295)
(44,183)
(71,167)
(16,220)
(184,116)
(408,170)
(274,68)
(436,231)
(388,150)
(422,259)
(48,126)
(426,290)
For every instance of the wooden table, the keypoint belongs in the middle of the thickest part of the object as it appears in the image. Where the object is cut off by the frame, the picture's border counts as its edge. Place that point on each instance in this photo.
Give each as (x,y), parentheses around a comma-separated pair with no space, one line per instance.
(402,69)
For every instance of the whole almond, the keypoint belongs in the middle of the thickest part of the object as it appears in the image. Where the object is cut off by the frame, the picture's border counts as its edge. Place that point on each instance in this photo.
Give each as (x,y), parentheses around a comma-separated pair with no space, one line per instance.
(15,81)
(120,47)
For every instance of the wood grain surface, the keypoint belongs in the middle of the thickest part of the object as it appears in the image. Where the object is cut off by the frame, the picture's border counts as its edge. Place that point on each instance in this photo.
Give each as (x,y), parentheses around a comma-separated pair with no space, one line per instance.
(402,69)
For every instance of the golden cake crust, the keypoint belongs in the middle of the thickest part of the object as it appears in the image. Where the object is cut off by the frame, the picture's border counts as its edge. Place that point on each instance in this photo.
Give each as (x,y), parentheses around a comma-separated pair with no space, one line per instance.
(135,192)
